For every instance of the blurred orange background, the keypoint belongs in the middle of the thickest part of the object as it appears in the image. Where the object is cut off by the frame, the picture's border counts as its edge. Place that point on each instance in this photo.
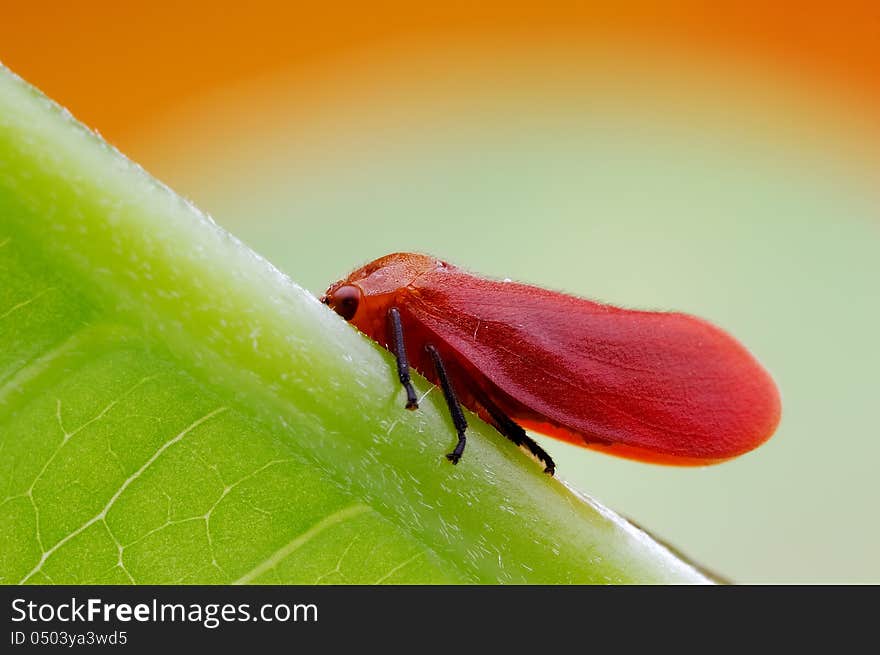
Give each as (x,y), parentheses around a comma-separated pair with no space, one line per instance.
(124,63)
(721,159)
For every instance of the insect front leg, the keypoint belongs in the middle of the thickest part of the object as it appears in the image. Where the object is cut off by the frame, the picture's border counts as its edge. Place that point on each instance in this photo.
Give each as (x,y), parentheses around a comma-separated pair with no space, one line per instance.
(458,418)
(412,401)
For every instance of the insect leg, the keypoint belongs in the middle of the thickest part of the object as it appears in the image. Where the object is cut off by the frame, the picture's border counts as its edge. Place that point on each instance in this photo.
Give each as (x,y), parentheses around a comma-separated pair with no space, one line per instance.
(513,431)
(402,360)
(458,418)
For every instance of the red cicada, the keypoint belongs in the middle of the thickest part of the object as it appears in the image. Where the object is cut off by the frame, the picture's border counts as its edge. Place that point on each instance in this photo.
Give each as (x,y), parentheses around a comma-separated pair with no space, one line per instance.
(654,386)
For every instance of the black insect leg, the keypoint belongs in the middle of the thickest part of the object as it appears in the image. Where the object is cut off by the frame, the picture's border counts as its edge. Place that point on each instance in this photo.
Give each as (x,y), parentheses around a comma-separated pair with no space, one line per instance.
(402,360)
(513,431)
(458,418)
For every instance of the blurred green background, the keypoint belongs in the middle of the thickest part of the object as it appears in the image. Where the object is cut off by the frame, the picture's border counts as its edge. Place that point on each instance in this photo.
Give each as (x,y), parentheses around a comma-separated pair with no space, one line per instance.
(648,178)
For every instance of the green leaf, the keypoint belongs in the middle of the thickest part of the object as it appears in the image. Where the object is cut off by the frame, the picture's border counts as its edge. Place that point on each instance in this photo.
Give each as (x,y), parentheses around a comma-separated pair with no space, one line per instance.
(174,409)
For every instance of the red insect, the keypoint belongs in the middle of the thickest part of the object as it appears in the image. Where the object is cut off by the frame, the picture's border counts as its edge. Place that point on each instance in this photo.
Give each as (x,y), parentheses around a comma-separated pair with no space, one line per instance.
(654,386)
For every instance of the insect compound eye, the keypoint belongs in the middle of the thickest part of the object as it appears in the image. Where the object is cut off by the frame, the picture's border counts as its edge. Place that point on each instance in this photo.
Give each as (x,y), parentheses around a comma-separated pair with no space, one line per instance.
(345,301)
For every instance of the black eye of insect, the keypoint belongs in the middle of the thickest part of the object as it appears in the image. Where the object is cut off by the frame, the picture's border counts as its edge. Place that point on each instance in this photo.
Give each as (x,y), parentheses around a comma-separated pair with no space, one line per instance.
(345,301)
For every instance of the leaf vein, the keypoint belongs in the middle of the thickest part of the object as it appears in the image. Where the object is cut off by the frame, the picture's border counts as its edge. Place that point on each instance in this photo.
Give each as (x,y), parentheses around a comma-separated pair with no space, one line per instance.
(100,516)
(298,542)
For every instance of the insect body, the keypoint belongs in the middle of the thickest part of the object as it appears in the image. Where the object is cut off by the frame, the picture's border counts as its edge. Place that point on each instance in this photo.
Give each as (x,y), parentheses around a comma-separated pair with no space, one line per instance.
(654,386)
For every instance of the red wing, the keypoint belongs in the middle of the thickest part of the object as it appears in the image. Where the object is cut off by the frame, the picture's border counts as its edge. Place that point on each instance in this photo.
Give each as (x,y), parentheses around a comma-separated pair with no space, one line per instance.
(649,385)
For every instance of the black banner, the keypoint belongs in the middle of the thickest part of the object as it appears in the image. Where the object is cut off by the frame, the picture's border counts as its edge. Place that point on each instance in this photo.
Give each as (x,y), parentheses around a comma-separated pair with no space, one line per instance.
(419,618)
